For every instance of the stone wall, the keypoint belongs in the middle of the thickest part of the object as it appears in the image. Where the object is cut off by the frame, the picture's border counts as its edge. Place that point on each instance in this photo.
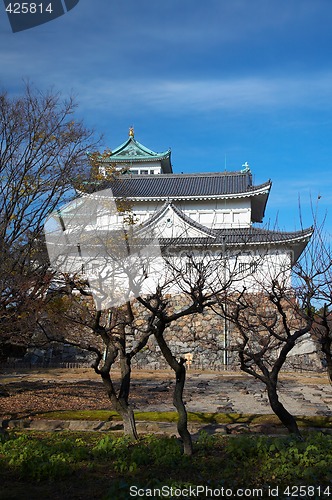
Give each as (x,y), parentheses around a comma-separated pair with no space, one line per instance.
(205,339)
(208,340)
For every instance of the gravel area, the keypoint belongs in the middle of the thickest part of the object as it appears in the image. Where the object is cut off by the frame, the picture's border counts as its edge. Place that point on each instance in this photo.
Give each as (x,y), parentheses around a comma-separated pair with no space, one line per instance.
(29,393)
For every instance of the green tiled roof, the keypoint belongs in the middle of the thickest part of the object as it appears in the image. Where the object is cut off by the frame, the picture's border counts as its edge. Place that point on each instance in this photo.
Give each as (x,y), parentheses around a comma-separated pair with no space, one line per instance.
(133,152)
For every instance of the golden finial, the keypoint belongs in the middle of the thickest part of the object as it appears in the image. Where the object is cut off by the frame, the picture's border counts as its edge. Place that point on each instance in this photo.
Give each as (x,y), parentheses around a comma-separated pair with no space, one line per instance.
(131,131)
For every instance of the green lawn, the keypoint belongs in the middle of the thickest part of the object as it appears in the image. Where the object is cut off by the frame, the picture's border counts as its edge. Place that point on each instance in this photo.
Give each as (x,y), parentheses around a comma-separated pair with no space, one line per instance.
(200,418)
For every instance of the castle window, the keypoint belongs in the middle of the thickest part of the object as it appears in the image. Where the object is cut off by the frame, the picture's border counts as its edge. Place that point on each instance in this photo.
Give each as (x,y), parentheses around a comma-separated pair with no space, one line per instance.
(247,267)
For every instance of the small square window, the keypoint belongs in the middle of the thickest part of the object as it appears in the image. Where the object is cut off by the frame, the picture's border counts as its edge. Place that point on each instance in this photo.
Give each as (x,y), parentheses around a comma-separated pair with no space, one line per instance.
(247,267)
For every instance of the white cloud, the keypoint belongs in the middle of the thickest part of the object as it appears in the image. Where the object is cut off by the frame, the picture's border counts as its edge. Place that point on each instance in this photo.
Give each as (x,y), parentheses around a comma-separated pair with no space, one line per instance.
(247,93)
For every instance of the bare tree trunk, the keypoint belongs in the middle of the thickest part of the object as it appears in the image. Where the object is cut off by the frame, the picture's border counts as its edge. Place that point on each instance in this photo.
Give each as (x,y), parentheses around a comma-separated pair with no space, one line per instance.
(278,408)
(329,366)
(181,409)
(322,329)
(122,407)
(326,349)
(129,423)
(180,373)
(119,401)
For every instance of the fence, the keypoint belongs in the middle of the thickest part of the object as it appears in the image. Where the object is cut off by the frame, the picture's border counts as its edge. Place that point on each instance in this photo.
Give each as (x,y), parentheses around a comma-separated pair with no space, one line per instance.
(18,364)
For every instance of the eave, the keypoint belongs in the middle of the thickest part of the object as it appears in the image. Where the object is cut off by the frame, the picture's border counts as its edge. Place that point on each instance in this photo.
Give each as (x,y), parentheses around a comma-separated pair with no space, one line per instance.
(264,192)
(137,145)
(132,151)
(250,238)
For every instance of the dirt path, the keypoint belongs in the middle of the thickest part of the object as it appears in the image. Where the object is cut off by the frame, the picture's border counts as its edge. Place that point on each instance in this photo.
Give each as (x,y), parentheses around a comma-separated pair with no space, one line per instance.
(28,393)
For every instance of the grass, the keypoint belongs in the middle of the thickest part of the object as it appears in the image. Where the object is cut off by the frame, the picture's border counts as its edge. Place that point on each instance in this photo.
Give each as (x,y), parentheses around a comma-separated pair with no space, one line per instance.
(195,417)
(86,465)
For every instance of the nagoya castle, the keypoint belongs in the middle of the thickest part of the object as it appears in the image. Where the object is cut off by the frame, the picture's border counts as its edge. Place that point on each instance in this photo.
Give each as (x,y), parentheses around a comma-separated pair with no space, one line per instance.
(217,213)
(210,210)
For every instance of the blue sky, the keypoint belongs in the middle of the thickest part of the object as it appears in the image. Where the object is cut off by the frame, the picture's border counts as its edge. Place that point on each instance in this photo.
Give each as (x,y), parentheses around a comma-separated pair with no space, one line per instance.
(221,82)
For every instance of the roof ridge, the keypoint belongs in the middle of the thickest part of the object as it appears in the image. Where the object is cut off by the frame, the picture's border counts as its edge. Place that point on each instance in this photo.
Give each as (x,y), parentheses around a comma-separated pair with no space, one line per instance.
(154,216)
(265,231)
(192,222)
(131,140)
(190,174)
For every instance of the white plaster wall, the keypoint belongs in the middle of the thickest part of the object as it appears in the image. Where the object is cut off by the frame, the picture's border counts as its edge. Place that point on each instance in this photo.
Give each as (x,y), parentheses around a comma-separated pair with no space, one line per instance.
(219,204)
(213,214)
(263,267)
(144,165)
(271,265)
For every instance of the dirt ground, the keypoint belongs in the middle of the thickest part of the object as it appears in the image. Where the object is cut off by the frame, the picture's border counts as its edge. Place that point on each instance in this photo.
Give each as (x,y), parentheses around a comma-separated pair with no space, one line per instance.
(31,392)
(27,393)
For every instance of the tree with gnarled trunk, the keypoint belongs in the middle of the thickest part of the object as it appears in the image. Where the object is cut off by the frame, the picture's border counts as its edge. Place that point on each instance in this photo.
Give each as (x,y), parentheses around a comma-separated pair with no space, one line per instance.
(313,275)
(192,276)
(115,340)
(280,314)
(268,325)
(158,323)
(112,336)
(42,147)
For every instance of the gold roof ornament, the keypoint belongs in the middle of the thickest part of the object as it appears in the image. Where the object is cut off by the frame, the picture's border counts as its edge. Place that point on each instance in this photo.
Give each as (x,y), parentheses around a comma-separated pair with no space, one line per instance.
(131,131)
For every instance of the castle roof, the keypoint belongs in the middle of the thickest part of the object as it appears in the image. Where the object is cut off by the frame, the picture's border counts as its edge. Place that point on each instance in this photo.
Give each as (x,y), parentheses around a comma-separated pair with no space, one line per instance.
(202,186)
(133,152)
(246,237)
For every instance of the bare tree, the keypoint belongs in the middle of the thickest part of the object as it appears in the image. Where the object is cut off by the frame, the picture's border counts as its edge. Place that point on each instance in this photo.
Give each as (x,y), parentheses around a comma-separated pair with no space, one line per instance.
(322,333)
(112,336)
(42,148)
(267,326)
(274,313)
(190,275)
(160,319)
(313,277)
(120,333)
(91,251)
